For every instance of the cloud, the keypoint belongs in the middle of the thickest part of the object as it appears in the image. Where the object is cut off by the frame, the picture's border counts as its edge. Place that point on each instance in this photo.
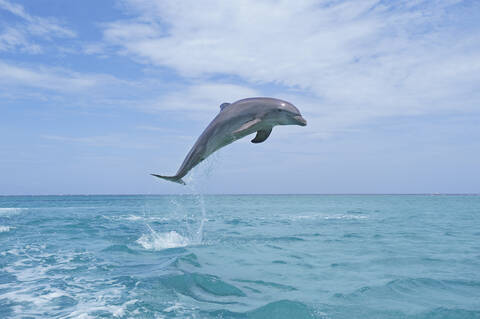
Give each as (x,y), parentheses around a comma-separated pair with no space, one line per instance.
(12,38)
(200,97)
(29,31)
(344,62)
(195,100)
(56,79)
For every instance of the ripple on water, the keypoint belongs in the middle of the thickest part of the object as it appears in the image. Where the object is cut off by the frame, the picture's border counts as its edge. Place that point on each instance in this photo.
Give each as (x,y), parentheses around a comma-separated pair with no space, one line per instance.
(190,259)
(282,309)
(68,262)
(120,249)
(267,284)
(413,291)
(324,311)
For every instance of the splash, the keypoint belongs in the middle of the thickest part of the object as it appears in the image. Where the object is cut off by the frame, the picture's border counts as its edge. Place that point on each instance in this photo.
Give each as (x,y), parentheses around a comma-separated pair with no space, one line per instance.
(160,241)
(199,233)
(193,223)
(203,172)
(193,227)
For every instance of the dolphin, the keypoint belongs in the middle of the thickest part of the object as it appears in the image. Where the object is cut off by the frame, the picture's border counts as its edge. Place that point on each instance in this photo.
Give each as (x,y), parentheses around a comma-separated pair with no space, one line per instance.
(237,120)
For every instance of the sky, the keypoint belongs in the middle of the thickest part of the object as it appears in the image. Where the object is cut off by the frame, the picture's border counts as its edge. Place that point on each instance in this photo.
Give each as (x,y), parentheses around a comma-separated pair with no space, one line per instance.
(96,95)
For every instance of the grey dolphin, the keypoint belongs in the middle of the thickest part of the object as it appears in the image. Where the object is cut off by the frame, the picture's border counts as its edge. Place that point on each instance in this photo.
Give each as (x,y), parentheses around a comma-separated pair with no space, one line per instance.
(237,120)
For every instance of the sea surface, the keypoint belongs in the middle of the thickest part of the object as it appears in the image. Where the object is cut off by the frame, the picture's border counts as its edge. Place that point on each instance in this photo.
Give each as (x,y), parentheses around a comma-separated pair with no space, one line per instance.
(261,256)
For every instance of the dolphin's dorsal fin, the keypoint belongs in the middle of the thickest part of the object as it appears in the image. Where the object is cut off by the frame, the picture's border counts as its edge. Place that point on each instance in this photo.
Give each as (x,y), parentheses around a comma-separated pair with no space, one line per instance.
(246,126)
(262,135)
(224,105)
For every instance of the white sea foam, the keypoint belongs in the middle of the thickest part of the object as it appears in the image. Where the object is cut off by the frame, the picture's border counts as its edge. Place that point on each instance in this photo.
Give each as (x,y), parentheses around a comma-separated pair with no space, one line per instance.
(178,309)
(155,241)
(7,211)
(29,297)
(346,216)
(134,217)
(176,306)
(4,229)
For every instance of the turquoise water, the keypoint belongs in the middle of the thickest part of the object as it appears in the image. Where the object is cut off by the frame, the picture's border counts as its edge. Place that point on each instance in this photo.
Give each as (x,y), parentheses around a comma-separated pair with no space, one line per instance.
(270,256)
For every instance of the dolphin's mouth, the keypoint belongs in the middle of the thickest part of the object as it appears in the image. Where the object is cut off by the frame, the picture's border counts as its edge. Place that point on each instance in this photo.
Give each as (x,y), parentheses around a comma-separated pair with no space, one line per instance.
(300,120)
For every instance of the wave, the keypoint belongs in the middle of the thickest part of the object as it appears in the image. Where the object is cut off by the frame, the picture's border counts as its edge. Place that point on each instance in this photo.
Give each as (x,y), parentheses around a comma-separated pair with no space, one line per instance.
(449,313)
(120,249)
(411,292)
(267,284)
(322,216)
(306,217)
(282,309)
(345,216)
(190,259)
(287,238)
(327,311)
(79,298)
(201,287)
(134,218)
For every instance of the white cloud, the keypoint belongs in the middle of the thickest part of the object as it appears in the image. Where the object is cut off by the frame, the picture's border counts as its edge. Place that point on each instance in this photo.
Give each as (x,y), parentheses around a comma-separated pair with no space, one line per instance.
(25,34)
(42,83)
(355,60)
(93,48)
(200,97)
(56,79)
(12,38)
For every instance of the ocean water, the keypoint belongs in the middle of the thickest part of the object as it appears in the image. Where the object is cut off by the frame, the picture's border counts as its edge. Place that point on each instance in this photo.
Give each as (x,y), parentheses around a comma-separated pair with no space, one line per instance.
(273,256)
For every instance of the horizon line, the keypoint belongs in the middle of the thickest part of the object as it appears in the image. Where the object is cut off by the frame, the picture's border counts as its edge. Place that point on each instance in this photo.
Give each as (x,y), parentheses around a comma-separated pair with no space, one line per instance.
(248,194)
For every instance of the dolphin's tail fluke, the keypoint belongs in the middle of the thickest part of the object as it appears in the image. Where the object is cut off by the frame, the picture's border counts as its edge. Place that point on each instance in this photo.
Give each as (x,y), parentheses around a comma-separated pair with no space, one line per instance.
(174,179)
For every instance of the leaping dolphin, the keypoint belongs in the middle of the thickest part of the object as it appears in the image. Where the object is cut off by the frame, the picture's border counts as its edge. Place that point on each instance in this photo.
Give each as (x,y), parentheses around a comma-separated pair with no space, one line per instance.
(237,120)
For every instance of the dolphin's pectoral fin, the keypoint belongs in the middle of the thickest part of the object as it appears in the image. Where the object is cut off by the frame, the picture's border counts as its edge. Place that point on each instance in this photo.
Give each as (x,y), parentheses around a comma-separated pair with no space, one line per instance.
(262,135)
(246,126)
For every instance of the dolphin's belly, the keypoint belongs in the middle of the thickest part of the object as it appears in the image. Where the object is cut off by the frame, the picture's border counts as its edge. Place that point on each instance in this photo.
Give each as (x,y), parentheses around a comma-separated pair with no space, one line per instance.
(223,134)
(221,137)
(218,134)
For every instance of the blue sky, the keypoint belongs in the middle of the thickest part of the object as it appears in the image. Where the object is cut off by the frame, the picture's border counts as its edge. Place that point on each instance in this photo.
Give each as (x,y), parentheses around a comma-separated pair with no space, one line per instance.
(95,95)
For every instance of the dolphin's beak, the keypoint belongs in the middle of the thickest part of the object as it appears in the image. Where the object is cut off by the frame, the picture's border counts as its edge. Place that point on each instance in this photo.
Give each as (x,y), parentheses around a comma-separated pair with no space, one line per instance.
(300,120)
